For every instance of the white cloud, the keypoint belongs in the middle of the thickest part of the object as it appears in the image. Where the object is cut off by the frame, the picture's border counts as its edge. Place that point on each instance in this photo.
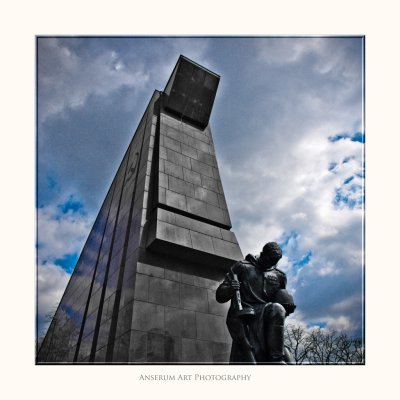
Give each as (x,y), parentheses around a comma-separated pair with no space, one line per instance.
(328,55)
(51,283)
(288,50)
(339,324)
(287,185)
(60,233)
(67,80)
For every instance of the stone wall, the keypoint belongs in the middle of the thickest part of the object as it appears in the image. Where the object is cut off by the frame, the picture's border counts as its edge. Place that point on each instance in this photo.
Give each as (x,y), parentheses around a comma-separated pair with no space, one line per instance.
(177,319)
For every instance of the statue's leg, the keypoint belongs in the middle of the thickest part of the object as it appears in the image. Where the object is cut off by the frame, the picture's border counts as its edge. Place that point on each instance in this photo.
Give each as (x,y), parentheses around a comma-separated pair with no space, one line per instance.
(274,320)
(242,351)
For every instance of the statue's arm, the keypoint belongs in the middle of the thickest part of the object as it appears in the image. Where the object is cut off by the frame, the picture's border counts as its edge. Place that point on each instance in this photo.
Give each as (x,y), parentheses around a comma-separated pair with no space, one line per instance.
(225,290)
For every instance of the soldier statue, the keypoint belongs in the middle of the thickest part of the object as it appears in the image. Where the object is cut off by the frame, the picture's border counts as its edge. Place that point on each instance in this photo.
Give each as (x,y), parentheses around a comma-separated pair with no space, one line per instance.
(259,306)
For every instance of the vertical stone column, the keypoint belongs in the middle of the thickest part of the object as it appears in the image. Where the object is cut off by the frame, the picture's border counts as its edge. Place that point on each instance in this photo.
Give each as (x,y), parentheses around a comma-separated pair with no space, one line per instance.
(187,244)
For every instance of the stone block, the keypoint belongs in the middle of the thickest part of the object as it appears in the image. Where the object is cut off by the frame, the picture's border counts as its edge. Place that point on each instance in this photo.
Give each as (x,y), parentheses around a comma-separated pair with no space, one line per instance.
(161,164)
(121,347)
(148,317)
(228,236)
(196,207)
(181,186)
(214,307)
(172,275)
(211,327)
(227,249)
(172,349)
(216,174)
(221,352)
(128,290)
(191,176)
(166,216)
(189,151)
(198,226)
(164,292)
(204,282)
(104,330)
(174,234)
(188,279)
(163,152)
(196,351)
(176,134)
(222,202)
(124,319)
(138,346)
(178,158)
(202,168)
(176,200)
(172,144)
(155,348)
(206,158)
(162,197)
(202,242)
(163,180)
(172,169)
(108,306)
(151,270)
(206,195)
(215,213)
(197,144)
(142,287)
(100,355)
(194,298)
(199,135)
(180,322)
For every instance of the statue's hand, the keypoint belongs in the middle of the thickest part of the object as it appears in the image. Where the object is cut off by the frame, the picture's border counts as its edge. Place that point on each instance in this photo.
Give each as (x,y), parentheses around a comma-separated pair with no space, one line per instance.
(235,285)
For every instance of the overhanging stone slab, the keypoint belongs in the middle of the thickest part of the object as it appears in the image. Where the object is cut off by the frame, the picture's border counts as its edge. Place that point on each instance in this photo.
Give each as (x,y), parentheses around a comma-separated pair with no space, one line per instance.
(192,240)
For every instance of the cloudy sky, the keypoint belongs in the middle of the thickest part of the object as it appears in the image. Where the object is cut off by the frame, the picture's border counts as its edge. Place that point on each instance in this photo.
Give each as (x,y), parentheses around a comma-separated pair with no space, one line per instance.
(287,125)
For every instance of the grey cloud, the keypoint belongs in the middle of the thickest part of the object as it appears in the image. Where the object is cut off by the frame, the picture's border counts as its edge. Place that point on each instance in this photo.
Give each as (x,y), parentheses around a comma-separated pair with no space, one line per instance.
(276,178)
(51,283)
(65,80)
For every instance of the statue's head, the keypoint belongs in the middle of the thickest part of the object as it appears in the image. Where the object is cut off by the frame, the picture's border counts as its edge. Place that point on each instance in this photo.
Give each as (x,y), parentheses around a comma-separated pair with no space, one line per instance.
(270,255)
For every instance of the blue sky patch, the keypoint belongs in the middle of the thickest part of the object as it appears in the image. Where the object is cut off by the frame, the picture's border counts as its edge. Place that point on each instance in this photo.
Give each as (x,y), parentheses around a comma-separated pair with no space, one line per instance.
(298,260)
(332,166)
(318,324)
(358,137)
(68,262)
(303,260)
(355,137)
(348,199)
(286,238)
(347,159)
(51,182)
(72,204)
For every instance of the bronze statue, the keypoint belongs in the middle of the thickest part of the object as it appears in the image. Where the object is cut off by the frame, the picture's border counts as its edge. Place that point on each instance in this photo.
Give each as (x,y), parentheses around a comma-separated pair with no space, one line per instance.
(259,306)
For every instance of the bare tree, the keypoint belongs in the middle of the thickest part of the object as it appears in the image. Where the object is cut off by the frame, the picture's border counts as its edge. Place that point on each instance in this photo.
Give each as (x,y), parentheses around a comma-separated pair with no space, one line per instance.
(297,339)
(323,347)
(47,318)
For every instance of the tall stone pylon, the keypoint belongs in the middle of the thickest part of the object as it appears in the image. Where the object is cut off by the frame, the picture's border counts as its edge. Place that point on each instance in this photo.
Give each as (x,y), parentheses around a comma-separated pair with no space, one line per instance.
(143,289)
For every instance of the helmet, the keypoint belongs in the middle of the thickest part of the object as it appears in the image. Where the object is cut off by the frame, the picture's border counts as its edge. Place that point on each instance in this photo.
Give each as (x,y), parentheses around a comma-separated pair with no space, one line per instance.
(284,298)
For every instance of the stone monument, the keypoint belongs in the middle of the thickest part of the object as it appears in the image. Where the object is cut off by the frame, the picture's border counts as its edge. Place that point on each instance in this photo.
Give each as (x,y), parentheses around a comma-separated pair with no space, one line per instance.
(143,289)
